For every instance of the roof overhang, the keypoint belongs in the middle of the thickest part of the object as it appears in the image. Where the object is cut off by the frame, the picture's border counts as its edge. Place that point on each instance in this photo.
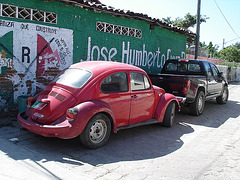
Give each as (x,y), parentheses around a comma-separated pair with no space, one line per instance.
(126,14)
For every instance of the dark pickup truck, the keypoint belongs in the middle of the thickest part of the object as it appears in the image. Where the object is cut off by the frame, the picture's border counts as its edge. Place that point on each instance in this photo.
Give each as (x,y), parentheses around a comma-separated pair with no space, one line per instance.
(193,82)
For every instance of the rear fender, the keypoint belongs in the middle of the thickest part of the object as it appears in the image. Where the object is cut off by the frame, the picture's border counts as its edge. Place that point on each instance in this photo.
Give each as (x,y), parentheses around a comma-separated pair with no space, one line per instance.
(86,111)
(163,103)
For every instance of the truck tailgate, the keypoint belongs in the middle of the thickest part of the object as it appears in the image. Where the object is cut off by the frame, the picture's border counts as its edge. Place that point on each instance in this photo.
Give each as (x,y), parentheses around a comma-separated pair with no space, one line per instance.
(172,83)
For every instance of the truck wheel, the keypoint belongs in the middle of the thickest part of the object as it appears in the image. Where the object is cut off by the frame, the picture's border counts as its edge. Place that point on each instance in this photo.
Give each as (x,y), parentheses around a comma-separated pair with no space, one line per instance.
(197,107)
(224,97)
(169,115)
(96,132)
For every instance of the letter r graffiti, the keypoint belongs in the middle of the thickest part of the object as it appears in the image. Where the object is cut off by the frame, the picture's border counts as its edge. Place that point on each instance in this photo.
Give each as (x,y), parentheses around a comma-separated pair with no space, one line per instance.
(25,54)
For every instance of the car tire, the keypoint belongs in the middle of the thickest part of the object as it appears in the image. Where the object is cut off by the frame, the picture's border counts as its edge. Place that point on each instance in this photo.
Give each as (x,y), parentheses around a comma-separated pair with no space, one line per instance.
(169,117)
(224,97)
(197,107)
(96,132)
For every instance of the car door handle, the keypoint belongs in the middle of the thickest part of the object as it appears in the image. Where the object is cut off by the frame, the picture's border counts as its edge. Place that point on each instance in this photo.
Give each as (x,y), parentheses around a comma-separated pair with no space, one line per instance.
(134,96)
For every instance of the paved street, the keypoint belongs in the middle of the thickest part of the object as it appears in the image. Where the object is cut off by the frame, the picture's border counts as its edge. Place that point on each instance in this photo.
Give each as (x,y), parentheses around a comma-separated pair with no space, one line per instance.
(205,147)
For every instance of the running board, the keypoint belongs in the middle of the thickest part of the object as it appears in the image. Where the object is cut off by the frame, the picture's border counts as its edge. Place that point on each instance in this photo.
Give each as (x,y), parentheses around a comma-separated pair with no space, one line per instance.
(147,122)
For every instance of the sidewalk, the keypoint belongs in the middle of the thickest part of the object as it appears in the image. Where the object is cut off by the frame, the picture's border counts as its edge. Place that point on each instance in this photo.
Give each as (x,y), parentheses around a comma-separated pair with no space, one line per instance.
(15,168)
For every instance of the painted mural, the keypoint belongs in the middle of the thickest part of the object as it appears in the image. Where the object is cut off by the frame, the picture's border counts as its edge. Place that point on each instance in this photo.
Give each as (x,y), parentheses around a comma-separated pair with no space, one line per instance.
(28,50)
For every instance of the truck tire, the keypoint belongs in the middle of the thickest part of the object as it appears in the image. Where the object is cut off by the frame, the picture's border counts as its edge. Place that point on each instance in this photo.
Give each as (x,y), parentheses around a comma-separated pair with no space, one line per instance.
(197,107)
(96,132)
(169,116)
(224,97)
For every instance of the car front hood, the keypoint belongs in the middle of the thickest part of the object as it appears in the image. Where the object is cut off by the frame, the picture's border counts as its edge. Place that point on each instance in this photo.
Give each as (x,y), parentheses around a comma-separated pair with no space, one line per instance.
(51,104)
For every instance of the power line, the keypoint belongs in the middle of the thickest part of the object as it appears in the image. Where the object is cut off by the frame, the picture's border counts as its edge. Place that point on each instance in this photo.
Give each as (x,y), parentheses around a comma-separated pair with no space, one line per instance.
(226,20)
(232,40)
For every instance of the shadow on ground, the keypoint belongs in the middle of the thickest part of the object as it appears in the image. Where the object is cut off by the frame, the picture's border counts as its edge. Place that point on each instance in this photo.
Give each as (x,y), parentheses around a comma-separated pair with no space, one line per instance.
(139,143)
(146,142)
(214,114)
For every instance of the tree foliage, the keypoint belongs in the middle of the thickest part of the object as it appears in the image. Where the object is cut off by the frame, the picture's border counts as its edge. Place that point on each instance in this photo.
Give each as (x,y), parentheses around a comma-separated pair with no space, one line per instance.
(230,53)
(212,49)
(186,22)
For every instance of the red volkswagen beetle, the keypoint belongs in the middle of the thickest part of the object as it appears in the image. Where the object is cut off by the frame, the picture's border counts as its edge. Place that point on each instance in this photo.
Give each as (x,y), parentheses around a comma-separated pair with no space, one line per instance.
(91,99)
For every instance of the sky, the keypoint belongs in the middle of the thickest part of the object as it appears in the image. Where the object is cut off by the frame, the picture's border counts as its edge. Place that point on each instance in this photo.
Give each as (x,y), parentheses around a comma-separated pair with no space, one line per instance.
(216,30)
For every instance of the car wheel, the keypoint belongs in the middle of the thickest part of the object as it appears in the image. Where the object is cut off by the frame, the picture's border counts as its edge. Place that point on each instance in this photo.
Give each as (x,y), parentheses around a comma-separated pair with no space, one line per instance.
(197,107)
(96,132)
(169,115)
(224,97)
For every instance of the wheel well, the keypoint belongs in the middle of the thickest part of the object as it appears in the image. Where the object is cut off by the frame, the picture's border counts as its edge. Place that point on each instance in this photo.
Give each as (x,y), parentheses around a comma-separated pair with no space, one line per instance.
(201,89)
(176,105)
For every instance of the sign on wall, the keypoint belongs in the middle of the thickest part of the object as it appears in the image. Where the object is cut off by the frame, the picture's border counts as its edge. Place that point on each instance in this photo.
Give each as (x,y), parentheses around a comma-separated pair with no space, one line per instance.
(35,49)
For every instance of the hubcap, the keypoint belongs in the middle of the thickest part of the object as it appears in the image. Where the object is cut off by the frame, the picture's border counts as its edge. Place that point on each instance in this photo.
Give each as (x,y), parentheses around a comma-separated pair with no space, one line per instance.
(224,96)
(98,131)
(200,103)
(173,112)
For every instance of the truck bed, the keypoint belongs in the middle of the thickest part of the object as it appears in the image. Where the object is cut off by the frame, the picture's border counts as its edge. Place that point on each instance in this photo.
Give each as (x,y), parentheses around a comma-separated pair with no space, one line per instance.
(179,85)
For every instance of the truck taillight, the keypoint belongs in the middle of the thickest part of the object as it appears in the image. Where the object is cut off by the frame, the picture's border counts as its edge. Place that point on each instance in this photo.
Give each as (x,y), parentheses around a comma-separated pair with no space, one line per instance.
(30,101)
(183,60)
(186,86)
(71,114)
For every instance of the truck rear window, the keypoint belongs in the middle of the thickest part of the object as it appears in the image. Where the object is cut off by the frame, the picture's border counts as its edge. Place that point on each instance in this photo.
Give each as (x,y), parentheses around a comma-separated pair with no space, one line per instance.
(182,68)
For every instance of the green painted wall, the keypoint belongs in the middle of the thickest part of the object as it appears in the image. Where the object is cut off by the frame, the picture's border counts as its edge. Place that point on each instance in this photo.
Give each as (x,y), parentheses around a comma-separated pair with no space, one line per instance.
(83,23)
(74,39)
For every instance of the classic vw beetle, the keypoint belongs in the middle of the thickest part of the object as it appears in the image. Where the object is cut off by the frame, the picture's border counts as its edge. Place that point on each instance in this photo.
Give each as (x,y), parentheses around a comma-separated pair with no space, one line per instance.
(91,99)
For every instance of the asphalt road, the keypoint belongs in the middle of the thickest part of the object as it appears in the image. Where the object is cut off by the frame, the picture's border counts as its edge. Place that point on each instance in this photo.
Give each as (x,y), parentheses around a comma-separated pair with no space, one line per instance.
(204,147)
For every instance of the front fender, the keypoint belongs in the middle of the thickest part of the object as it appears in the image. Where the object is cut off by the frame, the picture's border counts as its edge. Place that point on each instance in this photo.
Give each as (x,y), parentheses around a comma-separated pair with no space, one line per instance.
(86,111)
(163,103)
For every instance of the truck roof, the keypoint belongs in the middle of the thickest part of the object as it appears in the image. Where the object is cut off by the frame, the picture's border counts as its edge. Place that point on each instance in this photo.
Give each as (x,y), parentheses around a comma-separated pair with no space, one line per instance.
(187,60)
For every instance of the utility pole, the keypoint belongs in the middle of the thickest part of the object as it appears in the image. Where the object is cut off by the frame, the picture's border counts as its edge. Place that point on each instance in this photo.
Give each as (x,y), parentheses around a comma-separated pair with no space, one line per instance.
(198,28)
(223,43)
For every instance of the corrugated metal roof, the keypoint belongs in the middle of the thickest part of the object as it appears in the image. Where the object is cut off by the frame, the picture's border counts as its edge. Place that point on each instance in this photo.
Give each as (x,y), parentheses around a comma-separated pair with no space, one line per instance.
(98,7)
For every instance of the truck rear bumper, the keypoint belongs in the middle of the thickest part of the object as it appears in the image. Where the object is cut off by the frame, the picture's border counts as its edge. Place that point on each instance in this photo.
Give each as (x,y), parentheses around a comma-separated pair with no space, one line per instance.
(181,100)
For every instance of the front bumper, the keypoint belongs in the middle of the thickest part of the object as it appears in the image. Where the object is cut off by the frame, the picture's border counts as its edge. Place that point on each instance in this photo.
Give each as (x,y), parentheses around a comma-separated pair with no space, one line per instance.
(60,128)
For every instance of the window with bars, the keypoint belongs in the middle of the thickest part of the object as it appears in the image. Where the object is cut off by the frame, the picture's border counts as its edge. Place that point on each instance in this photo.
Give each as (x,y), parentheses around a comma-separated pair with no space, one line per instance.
(120,30)
(7,10)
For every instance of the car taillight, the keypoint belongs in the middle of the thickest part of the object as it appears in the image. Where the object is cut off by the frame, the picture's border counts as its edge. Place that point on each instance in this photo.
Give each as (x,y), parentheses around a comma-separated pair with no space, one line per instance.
(186,86)
(30,101)
(72,114)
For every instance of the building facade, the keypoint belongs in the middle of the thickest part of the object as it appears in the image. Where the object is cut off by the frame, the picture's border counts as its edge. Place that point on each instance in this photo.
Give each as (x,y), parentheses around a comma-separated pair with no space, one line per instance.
(40,38)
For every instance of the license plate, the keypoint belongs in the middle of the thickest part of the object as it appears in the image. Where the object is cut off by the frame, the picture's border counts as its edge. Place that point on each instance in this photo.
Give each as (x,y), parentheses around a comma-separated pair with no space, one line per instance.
(39,105)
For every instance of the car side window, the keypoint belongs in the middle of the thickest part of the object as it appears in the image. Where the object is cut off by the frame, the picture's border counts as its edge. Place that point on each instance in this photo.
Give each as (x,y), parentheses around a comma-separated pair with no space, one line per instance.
(139,81)
(208,69)
(115,83)
(214,70)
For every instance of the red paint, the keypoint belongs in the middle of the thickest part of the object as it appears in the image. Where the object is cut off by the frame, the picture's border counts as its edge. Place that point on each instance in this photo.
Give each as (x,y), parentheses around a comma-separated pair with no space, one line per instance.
(46,55)
(67,110)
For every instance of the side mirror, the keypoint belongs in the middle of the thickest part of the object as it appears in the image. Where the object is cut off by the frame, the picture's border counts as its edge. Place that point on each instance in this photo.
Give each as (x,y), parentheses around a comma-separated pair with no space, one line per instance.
(220,74)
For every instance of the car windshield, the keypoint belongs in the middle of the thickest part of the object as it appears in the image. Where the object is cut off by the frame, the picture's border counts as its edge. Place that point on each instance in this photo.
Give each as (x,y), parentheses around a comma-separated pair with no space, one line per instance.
(75,78)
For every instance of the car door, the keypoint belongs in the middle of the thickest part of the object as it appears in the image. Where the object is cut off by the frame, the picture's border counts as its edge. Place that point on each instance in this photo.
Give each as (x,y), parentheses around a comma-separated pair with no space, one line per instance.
(142,98)
(217,79)
(115,92)
(210,79)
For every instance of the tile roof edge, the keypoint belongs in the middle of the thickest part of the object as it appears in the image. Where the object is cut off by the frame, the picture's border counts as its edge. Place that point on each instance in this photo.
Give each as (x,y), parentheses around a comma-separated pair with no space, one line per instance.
(126,14)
